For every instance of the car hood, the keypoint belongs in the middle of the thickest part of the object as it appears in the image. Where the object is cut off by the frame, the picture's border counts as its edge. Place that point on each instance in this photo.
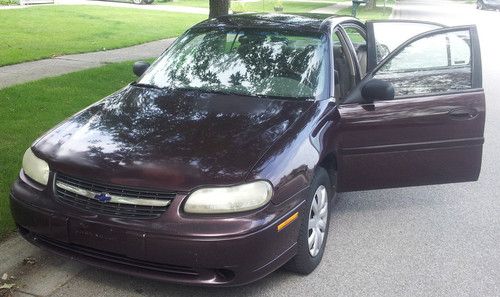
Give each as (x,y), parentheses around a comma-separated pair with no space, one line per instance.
(168,139)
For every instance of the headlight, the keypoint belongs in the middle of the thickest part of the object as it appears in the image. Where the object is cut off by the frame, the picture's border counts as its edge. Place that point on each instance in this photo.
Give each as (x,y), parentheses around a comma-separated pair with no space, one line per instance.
(36,168)
(229,199)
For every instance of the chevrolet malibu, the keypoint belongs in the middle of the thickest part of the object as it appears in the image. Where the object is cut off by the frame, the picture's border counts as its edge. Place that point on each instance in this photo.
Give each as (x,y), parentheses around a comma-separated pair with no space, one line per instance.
(221,163)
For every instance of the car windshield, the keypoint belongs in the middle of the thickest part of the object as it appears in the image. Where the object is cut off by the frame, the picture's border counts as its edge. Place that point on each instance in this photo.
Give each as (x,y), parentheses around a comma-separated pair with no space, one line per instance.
(244,62)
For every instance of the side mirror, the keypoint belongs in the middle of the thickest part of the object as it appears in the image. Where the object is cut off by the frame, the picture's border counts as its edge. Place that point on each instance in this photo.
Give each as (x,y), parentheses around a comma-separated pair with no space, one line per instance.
(140,67)
(376,89)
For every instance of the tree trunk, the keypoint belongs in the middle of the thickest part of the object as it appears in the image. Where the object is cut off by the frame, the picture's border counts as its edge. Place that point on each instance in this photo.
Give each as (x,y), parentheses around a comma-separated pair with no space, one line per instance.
(218,8)
(371,4)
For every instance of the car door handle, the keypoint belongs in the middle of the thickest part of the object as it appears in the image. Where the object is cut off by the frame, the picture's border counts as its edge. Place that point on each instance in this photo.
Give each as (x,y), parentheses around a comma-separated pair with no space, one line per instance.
(463,113)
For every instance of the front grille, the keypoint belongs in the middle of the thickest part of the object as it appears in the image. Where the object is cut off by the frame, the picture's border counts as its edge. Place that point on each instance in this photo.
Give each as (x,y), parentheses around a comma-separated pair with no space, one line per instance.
(91,204)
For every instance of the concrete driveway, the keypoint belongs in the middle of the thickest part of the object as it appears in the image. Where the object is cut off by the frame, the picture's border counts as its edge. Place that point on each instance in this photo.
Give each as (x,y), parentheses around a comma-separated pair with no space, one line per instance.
(424,241)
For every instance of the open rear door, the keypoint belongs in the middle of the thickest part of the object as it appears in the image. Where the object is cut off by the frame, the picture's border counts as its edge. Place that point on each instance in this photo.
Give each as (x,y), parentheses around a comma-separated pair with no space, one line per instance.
(383,37)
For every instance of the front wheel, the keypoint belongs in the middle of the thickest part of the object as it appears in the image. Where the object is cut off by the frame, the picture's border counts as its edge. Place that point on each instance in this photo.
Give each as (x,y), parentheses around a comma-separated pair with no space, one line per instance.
(138,1)
(480,5)
(314,225)
(149,1)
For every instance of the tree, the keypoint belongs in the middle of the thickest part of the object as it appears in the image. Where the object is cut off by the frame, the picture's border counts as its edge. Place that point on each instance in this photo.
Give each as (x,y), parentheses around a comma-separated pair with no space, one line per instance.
(371,4)
(218,8)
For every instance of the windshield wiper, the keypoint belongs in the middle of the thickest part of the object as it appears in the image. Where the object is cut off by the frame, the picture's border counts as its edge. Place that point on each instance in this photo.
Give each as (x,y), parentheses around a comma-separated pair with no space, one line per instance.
(283,98)
(186,89)
(147,86)
(207,91)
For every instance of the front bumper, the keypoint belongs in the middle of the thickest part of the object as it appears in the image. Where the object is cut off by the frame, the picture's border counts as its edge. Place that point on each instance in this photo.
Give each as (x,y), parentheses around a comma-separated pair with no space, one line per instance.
(152,248)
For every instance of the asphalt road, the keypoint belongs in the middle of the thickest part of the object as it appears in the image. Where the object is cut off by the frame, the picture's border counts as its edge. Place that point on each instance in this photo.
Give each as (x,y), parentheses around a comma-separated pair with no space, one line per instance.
(424,241)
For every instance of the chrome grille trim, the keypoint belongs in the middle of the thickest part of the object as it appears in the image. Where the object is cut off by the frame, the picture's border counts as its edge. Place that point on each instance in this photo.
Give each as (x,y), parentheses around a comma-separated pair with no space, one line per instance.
(125,201)
(114,198)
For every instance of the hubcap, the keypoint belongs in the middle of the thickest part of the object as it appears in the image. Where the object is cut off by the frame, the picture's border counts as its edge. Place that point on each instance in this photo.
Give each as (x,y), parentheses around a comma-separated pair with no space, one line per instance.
(318,218)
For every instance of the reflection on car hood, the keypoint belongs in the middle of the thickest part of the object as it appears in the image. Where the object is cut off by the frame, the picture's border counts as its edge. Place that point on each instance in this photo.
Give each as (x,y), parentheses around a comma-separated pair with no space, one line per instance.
(168,140)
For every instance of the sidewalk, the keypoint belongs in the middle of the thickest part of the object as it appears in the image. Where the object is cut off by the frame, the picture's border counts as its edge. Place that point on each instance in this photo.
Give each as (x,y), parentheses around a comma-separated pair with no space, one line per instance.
(32,271)
(29,71)
(332,9)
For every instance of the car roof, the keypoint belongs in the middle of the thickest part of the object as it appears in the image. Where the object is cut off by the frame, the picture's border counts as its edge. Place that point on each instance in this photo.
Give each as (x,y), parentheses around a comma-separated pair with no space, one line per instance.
(304,22)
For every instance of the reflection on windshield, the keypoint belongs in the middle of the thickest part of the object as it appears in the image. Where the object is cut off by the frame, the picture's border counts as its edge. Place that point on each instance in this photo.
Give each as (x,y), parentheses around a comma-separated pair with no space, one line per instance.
(246,62)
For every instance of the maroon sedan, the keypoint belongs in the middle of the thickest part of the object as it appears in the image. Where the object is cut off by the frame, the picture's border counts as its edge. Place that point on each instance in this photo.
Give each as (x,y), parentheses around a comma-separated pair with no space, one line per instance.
(221,163)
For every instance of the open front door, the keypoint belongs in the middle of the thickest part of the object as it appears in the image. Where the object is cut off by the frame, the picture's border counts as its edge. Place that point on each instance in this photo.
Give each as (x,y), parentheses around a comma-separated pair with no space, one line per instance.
(424,124)
(383,37)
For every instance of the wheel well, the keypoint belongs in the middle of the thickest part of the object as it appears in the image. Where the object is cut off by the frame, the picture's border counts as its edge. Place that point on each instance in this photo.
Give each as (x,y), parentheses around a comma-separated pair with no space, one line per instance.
(329,163)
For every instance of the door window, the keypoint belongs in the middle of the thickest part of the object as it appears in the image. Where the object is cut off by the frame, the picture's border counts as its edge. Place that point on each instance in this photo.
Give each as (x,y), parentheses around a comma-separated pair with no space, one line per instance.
(439,63)
(358,40)
(390,35)
(345,75)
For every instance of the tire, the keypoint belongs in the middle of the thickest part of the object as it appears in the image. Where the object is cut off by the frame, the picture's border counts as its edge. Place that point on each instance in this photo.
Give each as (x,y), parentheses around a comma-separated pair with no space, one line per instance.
(149,1)
(480,5)
(307,259)
(138,1)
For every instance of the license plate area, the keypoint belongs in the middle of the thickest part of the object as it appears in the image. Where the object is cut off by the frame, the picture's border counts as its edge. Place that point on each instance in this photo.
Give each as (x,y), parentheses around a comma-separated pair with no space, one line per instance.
(107,238)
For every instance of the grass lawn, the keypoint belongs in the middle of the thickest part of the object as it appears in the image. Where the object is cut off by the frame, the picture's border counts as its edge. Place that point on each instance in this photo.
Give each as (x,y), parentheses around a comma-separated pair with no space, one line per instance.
(258,6)
(9,2)
(41,32)
(293,6)
(28,110)
(268,6)
(192,3)
(379,13)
